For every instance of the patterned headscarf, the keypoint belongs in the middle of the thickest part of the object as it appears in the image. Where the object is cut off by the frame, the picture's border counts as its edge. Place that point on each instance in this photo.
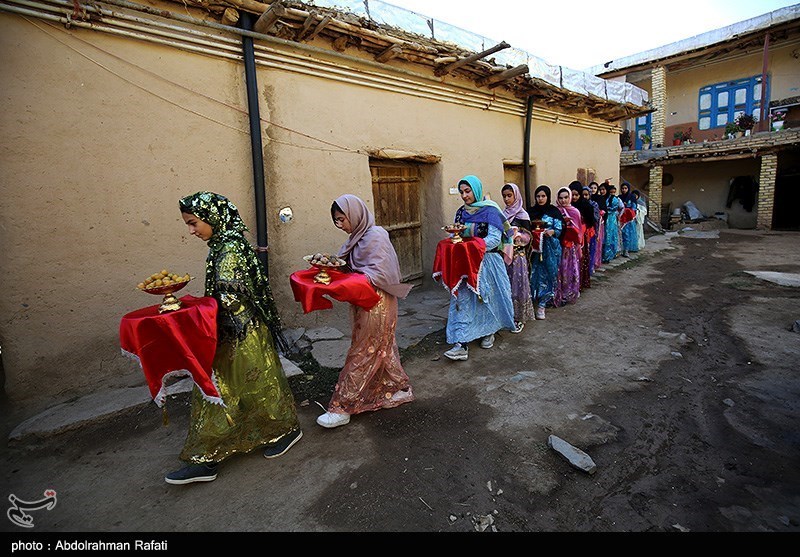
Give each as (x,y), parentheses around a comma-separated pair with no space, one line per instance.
(228,237)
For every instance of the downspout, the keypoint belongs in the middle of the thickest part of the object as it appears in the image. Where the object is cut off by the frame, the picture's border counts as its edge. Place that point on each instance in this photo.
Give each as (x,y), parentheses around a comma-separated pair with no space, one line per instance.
(254,116)
(255,139)
(526,151)
(762,123)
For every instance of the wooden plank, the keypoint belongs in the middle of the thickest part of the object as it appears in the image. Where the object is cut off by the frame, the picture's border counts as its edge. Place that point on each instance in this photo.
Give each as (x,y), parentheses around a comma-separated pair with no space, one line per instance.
(394,179)
(401,226)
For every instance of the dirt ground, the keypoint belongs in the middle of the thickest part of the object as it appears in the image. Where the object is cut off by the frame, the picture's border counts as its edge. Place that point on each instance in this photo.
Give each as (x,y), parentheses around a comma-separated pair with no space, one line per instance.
(678,373)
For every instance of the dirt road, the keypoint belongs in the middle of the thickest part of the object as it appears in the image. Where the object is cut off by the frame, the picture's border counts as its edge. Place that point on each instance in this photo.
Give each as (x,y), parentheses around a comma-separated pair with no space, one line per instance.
(677,373)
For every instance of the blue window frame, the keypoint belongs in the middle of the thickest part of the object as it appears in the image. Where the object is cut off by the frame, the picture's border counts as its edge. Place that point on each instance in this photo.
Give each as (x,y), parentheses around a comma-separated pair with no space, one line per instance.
(721,103)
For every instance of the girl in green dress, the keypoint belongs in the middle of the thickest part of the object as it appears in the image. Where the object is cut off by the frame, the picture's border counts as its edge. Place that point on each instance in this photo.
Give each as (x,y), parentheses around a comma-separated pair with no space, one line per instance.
(259,408)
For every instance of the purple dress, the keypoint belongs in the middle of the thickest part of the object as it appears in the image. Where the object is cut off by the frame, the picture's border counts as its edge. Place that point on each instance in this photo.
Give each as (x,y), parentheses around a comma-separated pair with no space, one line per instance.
(519,275)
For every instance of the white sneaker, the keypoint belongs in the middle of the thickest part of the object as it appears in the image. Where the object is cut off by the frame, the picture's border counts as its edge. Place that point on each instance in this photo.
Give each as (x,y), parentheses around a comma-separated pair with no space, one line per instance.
(457,352)
(539,312)
(333,419)
(518,328)
(487,341)
(400,396)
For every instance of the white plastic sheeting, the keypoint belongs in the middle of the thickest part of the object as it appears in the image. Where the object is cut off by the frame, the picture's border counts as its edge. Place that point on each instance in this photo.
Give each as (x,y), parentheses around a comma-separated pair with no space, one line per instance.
(573,80)
(710,38)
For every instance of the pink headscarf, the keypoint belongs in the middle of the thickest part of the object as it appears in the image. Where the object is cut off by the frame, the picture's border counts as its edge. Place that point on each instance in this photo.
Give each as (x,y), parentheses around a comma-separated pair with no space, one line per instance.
(569,210)
(368,250)
(515,210)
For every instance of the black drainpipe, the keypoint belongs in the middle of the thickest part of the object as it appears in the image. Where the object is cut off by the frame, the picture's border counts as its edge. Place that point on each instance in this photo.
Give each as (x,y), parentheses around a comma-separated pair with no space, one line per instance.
(526,152)
(245,21)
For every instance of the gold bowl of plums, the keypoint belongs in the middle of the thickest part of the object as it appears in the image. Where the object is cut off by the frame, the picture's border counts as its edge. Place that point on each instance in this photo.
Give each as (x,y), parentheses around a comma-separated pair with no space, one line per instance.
(324,262)
(165,283)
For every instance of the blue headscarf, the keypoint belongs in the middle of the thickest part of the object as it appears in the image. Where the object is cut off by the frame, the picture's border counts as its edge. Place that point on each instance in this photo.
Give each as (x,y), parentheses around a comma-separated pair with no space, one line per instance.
(486,210)
(482,210)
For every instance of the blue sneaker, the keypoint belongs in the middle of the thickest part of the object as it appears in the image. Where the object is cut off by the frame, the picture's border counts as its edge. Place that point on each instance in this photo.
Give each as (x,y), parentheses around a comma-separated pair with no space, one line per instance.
(279,448)
(192,473)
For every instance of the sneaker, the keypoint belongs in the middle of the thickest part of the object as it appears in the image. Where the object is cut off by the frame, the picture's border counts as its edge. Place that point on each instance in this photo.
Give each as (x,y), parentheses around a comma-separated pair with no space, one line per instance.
(400,396)
(286,443)
(457,352)
(333,419)
(518,327)
(192,473)
(539,312)
(487,341)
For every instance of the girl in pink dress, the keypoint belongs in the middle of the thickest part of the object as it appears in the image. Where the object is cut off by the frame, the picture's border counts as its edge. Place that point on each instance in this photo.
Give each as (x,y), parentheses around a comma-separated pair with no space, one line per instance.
(372,377)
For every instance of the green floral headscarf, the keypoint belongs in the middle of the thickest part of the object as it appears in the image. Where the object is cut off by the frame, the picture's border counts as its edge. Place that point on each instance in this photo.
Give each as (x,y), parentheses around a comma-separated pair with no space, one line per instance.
(228,238)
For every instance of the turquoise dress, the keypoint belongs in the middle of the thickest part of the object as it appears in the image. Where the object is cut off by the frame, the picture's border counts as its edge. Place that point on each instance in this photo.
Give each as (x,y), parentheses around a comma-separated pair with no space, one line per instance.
(612,241)
(544,265)
(630,237)
(471,317)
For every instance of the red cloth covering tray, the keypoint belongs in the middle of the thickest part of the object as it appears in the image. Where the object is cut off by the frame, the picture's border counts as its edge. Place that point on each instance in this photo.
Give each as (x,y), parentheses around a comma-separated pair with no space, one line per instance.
(537,239)
(179,343)
(571,236)
(455,264)
(627,215)
(354,288)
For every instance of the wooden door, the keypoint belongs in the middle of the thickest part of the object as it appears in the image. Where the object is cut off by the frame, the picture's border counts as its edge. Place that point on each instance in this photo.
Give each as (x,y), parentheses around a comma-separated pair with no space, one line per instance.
(397,193)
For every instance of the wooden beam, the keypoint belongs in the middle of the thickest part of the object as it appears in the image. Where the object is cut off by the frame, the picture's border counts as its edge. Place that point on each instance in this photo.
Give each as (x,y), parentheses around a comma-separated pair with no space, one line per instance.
(393,51)
(502,76)
(320,26)
(458,63)
(230,17)
(309,21)
(269,18)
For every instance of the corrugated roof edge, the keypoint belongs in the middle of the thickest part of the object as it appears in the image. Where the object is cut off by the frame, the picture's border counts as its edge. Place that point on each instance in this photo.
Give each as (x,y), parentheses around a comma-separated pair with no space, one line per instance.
(709,38)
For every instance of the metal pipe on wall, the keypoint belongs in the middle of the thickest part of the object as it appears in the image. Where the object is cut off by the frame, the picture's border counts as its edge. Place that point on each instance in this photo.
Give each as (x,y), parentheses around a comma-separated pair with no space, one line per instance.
(256,144)
(526,150)
(762,123)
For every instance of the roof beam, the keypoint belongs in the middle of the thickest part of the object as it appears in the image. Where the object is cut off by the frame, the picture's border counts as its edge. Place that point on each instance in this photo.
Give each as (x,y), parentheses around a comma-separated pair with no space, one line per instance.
(444,70)
(318,29)
(498,78)
(393,51)
(269,18)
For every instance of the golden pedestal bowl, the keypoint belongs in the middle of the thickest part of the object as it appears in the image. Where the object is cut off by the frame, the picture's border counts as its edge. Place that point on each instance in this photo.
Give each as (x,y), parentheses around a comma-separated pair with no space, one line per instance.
(322,276)
(455,229)
(170,302)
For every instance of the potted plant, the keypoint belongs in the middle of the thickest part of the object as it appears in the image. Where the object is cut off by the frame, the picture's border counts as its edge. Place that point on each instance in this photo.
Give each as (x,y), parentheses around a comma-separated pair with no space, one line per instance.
(777,118)
(732,130)
(677,137)
(687,136)
(645,141)
(746,122)
(625,140)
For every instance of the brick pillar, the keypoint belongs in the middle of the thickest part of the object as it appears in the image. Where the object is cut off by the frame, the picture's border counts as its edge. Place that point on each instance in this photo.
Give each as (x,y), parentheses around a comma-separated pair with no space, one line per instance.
(654,187)
(658,100)
(766,191)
